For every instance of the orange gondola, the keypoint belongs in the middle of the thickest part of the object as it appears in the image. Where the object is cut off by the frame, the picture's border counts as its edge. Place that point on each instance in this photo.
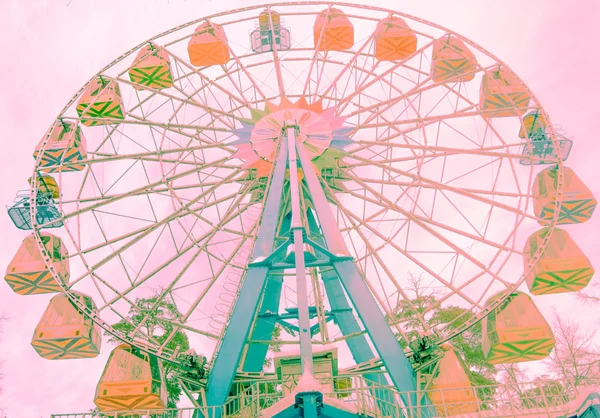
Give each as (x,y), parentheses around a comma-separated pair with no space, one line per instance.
(452,61)
(333,31)
(578,202)
(101,103)
(131,380)
(151,68)
(450,391)
(394,40)
(64,148)
(208,46)
(27,273)
(64,332)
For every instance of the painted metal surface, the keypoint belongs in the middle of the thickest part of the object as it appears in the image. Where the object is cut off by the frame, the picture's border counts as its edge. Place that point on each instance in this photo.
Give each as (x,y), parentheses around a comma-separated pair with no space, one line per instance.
(388,348)
(246,306)
(298,231)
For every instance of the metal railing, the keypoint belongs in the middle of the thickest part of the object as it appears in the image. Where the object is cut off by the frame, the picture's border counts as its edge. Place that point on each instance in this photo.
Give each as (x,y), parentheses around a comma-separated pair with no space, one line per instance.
(542,398)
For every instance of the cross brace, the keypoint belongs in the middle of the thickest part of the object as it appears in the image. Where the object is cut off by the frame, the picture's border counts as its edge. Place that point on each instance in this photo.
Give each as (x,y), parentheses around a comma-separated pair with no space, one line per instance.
(260,288)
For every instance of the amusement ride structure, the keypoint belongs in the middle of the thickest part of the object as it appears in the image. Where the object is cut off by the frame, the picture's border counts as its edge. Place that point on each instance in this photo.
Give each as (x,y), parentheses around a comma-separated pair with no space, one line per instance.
(276,175)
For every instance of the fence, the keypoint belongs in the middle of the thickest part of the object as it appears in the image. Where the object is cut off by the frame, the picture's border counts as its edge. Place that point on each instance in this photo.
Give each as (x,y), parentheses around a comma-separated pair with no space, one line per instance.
(542,398)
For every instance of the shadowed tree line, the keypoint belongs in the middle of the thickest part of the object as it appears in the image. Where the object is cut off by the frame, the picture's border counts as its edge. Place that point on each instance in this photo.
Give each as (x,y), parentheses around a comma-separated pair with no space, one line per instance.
(574,362)
(424,311)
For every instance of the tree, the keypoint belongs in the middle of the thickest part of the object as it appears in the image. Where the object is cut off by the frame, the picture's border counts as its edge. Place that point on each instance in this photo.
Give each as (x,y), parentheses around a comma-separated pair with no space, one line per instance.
(425,307)
(575,358)
(158,325)
(591,294)
(545,393)
(520,390)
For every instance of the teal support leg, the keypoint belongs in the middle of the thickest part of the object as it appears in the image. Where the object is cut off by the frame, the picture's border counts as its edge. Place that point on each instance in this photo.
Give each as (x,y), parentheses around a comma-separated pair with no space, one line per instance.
(238,329)
(304,334)
(345,320)
(264,326)
(388,348)
(311,409)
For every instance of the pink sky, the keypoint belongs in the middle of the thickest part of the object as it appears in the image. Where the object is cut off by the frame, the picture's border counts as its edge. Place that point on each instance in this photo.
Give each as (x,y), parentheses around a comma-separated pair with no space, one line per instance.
(51,50)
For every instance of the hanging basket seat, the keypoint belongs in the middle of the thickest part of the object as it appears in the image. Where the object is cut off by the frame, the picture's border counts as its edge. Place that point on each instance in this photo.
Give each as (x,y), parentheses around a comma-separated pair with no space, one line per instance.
(47,214)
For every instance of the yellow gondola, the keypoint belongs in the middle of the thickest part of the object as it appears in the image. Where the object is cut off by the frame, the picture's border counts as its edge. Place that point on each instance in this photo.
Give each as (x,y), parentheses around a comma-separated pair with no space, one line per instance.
(64,149)
(516,331)
(534,125)
(562,268)
(101,103)
(132,380)
(47,185)
(64,332)
(263,20)
(27,273)
(263,39)
(578,202)
(502,94)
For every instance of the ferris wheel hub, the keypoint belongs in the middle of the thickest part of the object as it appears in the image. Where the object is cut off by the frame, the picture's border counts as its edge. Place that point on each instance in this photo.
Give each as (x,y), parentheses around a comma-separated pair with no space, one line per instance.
(320,130)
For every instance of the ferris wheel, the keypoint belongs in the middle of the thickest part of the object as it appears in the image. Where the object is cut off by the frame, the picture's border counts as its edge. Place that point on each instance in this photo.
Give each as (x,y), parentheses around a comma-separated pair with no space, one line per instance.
(290,169)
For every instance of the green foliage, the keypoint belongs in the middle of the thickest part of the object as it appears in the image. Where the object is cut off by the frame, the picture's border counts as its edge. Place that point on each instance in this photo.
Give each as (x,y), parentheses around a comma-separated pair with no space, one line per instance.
(275,345)
(469,342)
(425,307)
(546,393)
(157,323)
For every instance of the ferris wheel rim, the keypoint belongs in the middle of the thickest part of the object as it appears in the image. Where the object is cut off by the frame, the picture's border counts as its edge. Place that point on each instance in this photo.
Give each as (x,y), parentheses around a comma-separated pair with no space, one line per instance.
(552,133)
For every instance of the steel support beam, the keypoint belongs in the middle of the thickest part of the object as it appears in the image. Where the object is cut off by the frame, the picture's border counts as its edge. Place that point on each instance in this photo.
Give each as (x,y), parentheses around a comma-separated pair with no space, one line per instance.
(310,406)
(304,333)
(264,326)
(238,329)
(345,320)
(397,365)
